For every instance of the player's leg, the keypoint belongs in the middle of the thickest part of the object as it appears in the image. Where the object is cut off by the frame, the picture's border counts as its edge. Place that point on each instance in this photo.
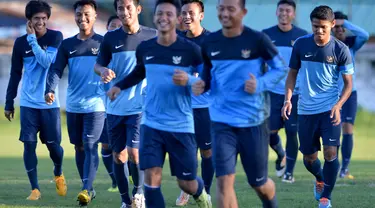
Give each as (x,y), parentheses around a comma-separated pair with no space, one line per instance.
(117,139)
(331,141)
(30,123)
(291,130)
(50,134)
(253,148)
(349,111)
(151,156)
(92,129)
(309,139)
(107,157)
(181,148)
(276,123)
(132,143)
(224,149)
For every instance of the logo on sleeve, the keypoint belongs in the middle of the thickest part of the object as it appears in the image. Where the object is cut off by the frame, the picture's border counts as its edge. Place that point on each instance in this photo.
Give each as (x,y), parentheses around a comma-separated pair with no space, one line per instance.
(94,51)
(176,59)
(245,53)
(329,59)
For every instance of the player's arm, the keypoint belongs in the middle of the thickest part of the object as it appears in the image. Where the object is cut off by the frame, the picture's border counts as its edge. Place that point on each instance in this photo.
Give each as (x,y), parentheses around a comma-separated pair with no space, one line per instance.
(277,67)
(203,85)
(44,57)
(181,77)
(14,80)
(347,70)
(54,74)
(102,61)
(361,36)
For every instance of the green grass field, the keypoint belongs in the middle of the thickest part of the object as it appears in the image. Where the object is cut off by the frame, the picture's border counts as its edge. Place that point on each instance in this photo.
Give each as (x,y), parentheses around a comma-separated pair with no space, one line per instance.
(14,185)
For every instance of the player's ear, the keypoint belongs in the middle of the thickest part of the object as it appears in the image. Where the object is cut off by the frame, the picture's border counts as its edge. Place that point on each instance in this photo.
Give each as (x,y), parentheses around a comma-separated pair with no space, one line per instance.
(244,10)
(139,9)
(333,23)
(201,16)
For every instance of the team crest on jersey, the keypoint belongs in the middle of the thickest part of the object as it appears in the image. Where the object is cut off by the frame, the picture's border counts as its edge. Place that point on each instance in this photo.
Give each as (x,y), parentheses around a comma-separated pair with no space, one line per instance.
(329,59)
(176,59)
(245,53)
(45,47)
(95,51)
(292,42)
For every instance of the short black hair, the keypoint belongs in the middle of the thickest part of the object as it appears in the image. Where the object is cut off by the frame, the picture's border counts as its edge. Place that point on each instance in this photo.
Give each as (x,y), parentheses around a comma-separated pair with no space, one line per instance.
(113,17)
(136,3)
(340,15)
(322,12)
(176,3)
(243,3)
(85,2)
(199,2)
(37,6)
(288,2)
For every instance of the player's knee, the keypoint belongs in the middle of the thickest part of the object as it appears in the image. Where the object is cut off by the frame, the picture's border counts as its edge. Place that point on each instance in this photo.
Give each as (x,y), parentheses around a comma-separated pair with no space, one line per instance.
(330,153)
(347,128)
(206,153)
(29,146)
(121,157)
(133,155)
(105,146)
(225,183)
(79,148)
(189,187)
(265,190)
(310,158)
(153,176)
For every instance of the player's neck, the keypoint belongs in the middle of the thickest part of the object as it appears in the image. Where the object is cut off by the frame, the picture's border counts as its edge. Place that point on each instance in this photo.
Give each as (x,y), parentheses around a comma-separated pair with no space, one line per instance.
(84,35)
(195,32)
(131,29)
(232,32)
(285,28)
(40,34)
(322,42)
(167,39)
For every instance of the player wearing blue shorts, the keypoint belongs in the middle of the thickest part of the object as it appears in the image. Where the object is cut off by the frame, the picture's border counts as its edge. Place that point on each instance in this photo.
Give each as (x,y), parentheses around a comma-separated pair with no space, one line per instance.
(319,60)
(192,15)
(34,52)
(85,110)
(283,36)
(233,69)
(168,62)
(124,114)
(349,109)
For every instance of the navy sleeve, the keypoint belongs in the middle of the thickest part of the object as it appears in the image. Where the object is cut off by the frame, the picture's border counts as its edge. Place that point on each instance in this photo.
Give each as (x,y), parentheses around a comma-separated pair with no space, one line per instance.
(295,58)
(197,64)
(137,75)
(345,61)
(206,71)
(15,75)
(267,49)
(56,70)
(105,53)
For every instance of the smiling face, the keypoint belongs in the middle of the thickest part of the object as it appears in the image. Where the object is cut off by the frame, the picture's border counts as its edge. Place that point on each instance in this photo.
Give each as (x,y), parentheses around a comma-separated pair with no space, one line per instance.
(165,17)
(128,12)
(285,14)
(85,17)
(39,22)
(230,13)
(114,24)
(192,16)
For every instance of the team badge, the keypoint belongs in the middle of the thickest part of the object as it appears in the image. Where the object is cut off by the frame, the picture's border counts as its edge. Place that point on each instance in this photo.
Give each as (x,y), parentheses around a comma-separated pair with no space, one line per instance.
(245,53)
(292,42)
(176,59)
(45,47)
(329,59)
(95,51)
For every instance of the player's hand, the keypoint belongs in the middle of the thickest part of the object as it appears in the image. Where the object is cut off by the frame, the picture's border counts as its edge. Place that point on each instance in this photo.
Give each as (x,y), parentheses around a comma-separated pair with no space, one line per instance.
(180,77)
(49,98)
(113,93)
(107,75)
(9,115)
(198,87)
(251,84)
(29,28)
(286,110)
(336,115)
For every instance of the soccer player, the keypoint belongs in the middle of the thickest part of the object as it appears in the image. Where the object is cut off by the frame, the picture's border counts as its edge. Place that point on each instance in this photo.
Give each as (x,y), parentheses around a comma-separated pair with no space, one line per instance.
(349,109)
(192,15)
(168,63)
(319,60)
(113,23)
(283,36)
(124,113)
(85,110)
(233,70)
(34,53)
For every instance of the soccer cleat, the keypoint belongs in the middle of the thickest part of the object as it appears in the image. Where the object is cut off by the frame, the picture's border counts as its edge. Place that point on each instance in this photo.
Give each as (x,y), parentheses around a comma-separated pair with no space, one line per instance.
(280,167)
(123,205)
(138,201)
(288,178)
(113,189)
(318,189)
(34,195)
(61,187)
(84,197)
(203,200)
(325,203)
(183,199)
(346,175)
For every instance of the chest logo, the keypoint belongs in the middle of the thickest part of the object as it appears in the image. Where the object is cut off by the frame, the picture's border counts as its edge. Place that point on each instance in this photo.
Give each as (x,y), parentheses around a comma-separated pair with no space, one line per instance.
(45,47)
(245,53)
(176,59)
(329,59)
(95,51)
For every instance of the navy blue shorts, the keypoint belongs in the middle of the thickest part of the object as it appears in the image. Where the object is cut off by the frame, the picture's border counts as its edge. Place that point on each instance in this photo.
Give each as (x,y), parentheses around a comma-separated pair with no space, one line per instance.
(252,145)
(85,127)
(181,148)
(45,121)
(123,131)
(349,109)
(104,137)
(202,125)
(313,127)
(276,120)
